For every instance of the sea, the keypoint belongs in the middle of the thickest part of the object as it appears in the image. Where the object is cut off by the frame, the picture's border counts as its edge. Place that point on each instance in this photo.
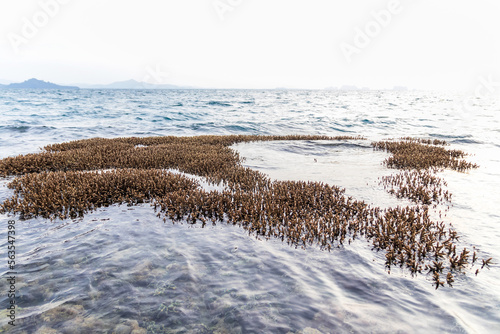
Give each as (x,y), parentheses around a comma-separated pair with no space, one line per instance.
(121,269)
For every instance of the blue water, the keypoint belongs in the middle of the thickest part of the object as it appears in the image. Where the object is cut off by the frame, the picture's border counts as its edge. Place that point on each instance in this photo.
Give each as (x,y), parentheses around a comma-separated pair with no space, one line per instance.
(122,268)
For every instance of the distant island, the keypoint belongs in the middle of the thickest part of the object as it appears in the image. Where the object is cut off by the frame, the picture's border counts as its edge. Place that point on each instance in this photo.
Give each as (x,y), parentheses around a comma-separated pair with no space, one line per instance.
(35,84)
(129,84)
(134,84)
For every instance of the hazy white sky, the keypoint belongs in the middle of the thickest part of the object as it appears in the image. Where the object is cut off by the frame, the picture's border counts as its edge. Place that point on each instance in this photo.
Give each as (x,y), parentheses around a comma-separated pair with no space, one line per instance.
(435,44)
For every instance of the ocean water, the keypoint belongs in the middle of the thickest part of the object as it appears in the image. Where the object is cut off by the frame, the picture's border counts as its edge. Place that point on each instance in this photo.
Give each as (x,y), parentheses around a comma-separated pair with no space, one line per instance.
(121,268)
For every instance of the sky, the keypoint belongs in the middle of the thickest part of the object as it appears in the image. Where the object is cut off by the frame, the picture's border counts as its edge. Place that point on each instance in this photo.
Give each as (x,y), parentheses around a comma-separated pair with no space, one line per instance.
(421,44)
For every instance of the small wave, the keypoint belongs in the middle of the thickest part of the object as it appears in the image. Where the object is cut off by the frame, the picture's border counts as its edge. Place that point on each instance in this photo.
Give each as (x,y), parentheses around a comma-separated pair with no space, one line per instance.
(337,129)
(34,267)
(22,128)
(450,137)
(26,128)
(466,141)
(238,128)
(218,103)
(178,104)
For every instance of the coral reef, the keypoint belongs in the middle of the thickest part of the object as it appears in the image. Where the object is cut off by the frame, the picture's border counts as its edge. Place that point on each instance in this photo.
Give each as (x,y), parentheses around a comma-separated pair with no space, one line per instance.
(71,179)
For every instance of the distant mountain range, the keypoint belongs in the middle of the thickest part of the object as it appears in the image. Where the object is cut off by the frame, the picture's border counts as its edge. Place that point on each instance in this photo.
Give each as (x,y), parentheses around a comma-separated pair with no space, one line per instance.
(35,84)
(133,84)
(129,84)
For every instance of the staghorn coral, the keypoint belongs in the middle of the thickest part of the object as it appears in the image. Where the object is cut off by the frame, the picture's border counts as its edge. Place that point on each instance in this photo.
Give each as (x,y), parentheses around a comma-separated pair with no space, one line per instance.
(420,160)
(60,183)
(420,186)
(410,153)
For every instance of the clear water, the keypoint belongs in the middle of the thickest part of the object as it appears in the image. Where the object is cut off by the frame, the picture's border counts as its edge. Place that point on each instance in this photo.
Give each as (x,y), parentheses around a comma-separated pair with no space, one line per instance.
(122,268)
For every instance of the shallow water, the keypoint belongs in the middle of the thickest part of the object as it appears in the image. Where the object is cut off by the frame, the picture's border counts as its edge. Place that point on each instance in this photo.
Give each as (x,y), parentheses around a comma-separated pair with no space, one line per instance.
(122,268)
